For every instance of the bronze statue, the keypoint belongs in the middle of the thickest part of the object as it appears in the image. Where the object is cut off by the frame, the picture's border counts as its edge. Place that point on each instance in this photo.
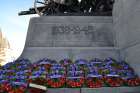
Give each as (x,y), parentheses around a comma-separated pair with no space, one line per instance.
(71,7)
(96,5)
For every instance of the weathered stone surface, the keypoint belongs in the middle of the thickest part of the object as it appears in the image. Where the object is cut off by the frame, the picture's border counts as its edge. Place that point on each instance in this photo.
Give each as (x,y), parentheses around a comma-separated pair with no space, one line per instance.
(70,31)
(74,37)
(126,18)
(132,55)
(73,53)
(126,21)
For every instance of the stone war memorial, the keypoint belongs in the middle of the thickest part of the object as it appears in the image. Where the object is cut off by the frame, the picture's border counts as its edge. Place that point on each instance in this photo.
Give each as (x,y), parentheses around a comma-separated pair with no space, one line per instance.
(78,46)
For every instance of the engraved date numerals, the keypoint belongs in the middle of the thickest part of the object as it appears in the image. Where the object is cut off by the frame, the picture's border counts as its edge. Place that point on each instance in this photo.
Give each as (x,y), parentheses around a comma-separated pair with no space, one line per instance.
(72,29)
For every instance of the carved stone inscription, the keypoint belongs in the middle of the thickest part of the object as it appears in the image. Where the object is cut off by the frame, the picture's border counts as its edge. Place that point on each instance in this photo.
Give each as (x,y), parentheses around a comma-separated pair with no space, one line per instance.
(75,35)
(72,29)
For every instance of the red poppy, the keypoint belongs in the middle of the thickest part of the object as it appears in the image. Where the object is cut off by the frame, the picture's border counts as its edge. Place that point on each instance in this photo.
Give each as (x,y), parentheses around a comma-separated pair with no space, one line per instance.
(114,81)
(94,83)
(47,66)
(12,91)
(56,83)
(133,82)
(75,83)
(1,89)
(20,90)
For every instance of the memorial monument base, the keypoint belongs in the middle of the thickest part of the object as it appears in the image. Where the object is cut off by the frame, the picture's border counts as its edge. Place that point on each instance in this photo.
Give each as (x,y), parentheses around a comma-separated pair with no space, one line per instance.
(72,37)
(59,53)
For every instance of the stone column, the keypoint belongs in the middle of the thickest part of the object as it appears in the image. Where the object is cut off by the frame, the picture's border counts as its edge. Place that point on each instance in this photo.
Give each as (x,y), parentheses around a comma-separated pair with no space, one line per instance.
(126,20)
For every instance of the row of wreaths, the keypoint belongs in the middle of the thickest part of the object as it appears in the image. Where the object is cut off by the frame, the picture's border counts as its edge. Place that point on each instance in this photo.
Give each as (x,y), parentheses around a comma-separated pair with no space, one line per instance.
(62,83)
(89,82)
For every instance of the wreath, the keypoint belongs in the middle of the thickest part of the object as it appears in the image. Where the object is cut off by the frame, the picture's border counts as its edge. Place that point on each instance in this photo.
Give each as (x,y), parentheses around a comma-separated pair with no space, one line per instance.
(65,62)
(94,82)
(76,82)
(81,64)
(19,90)
(7,88)
(114,81)
(56,82)
(133,82)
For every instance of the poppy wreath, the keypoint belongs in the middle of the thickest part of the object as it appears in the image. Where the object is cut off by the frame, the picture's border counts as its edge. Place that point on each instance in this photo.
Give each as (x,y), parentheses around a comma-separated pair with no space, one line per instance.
(114,81)
(65,62)
(75,83)
(38,81)
(94,82)
(1,89)
(133,82)
(29,80)
(35,67)
(28,74)
(56,82)
(47,67)
(81,64)
(11,88)
(7,88)
(19,90)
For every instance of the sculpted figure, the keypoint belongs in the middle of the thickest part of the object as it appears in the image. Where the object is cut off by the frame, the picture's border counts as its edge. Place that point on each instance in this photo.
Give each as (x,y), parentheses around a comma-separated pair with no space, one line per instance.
(70,7)
(96,5)
(87,5)
(61,6)
(103,5)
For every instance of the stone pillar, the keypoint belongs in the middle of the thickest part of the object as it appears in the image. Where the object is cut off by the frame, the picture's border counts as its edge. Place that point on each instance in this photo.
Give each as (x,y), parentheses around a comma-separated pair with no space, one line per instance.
(126,20)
